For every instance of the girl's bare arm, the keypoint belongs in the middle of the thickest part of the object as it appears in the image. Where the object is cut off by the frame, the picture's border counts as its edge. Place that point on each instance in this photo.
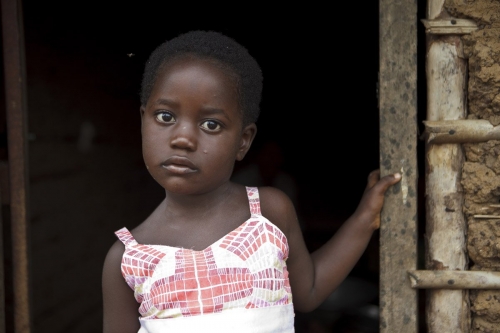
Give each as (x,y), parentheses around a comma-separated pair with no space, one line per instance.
(120,307)
(314,276)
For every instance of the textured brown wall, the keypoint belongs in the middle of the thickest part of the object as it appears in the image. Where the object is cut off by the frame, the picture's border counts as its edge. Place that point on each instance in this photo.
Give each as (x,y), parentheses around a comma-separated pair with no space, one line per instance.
(481,172)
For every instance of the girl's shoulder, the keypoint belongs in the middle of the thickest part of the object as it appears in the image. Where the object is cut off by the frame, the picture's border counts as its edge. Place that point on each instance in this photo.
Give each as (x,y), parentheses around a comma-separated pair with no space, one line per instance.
(115,253)
(278,208)
(116,250)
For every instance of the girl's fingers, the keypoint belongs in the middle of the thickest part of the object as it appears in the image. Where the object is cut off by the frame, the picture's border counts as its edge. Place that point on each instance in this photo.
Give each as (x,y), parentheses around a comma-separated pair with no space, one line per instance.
(388,181)
(373,198)
(385,182)
(373,178)
(382,183)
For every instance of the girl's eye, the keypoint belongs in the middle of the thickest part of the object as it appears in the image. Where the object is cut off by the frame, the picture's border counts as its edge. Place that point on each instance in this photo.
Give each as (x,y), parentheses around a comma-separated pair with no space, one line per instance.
(165,117)
(211,125)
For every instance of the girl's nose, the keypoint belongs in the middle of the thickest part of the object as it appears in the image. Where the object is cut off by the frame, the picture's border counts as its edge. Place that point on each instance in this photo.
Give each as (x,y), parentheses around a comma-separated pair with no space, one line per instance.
(184,137)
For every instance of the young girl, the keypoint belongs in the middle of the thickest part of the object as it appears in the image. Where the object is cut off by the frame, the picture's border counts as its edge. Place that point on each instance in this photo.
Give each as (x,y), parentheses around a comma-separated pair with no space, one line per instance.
(216,256)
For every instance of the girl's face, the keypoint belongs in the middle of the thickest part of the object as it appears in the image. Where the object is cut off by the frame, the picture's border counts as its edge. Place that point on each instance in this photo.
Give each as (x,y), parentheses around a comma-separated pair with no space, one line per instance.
(192,130)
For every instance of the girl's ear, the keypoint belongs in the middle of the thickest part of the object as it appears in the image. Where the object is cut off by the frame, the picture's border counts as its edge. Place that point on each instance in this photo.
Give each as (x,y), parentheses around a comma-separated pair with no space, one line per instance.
(247,136)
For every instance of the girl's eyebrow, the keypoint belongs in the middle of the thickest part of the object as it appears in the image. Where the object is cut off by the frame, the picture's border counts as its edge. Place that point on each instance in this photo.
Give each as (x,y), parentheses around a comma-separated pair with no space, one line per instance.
(165,101)
(206,110)
(211,110)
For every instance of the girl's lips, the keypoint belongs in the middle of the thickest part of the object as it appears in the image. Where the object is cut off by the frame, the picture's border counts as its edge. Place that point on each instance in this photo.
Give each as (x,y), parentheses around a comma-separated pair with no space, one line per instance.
(179,165)
(178,169)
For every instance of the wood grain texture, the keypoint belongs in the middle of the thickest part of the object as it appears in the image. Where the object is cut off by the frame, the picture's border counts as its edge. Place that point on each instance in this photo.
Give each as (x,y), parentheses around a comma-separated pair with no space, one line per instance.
(447,310)
(398,140)
(16,109)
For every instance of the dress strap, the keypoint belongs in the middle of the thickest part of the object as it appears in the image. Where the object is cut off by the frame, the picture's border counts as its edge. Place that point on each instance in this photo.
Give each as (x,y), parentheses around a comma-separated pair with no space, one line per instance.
(253,200)
(125,237)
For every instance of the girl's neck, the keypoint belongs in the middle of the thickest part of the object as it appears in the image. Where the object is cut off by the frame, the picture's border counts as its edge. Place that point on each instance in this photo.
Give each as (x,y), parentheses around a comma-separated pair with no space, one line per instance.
(187,205)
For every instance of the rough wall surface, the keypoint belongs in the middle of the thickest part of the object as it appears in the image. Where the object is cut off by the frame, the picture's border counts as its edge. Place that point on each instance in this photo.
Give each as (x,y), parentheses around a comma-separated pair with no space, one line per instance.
(481,172)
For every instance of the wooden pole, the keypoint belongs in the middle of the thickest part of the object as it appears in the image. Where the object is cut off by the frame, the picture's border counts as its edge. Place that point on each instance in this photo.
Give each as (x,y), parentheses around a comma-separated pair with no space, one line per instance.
(4,200)
(447,310)
(398,142)
(452,26)
(460,131)
(15,96)
(2,275)
(454,279)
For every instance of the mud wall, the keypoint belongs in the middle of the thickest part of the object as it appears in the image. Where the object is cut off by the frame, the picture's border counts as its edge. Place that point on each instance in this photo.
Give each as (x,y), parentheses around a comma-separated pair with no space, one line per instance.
(481,171)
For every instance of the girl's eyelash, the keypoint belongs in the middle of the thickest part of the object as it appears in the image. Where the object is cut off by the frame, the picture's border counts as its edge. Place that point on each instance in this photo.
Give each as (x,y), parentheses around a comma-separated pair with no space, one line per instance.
(159,117)
(166,117)
(218,124)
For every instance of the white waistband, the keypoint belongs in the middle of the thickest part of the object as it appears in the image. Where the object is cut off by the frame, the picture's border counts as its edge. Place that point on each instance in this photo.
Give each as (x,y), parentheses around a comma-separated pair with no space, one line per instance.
(274,319)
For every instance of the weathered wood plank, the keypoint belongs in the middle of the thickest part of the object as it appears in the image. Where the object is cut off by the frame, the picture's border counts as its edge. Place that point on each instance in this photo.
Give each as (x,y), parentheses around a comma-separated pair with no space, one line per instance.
(15,96)
(398,141)
(423,279)
(447,310)
(460,131)
(2,276)
(449,26)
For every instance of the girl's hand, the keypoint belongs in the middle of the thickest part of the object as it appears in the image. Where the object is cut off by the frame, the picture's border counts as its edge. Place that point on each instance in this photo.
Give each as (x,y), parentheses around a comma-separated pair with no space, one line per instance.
(313,277)
(373,197)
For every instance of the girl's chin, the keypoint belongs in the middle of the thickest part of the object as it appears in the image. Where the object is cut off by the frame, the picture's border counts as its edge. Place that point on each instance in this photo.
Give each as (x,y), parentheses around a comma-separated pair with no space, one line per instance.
(188,188)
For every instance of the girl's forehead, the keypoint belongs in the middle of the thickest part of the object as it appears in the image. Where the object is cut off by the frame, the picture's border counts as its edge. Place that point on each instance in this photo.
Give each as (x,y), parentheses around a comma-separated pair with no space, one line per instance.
(199,79)
(197,73)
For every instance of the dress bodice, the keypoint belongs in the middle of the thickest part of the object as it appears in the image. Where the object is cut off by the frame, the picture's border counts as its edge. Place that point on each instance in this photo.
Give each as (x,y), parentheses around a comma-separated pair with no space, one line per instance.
(245,269)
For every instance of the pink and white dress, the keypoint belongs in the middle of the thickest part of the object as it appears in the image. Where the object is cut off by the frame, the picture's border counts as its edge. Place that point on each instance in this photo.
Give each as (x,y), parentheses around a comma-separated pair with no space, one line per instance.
(237,284)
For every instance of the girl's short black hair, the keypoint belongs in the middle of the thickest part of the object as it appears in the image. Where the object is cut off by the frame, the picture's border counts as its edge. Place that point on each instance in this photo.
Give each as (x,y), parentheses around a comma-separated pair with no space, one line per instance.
(212,45)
